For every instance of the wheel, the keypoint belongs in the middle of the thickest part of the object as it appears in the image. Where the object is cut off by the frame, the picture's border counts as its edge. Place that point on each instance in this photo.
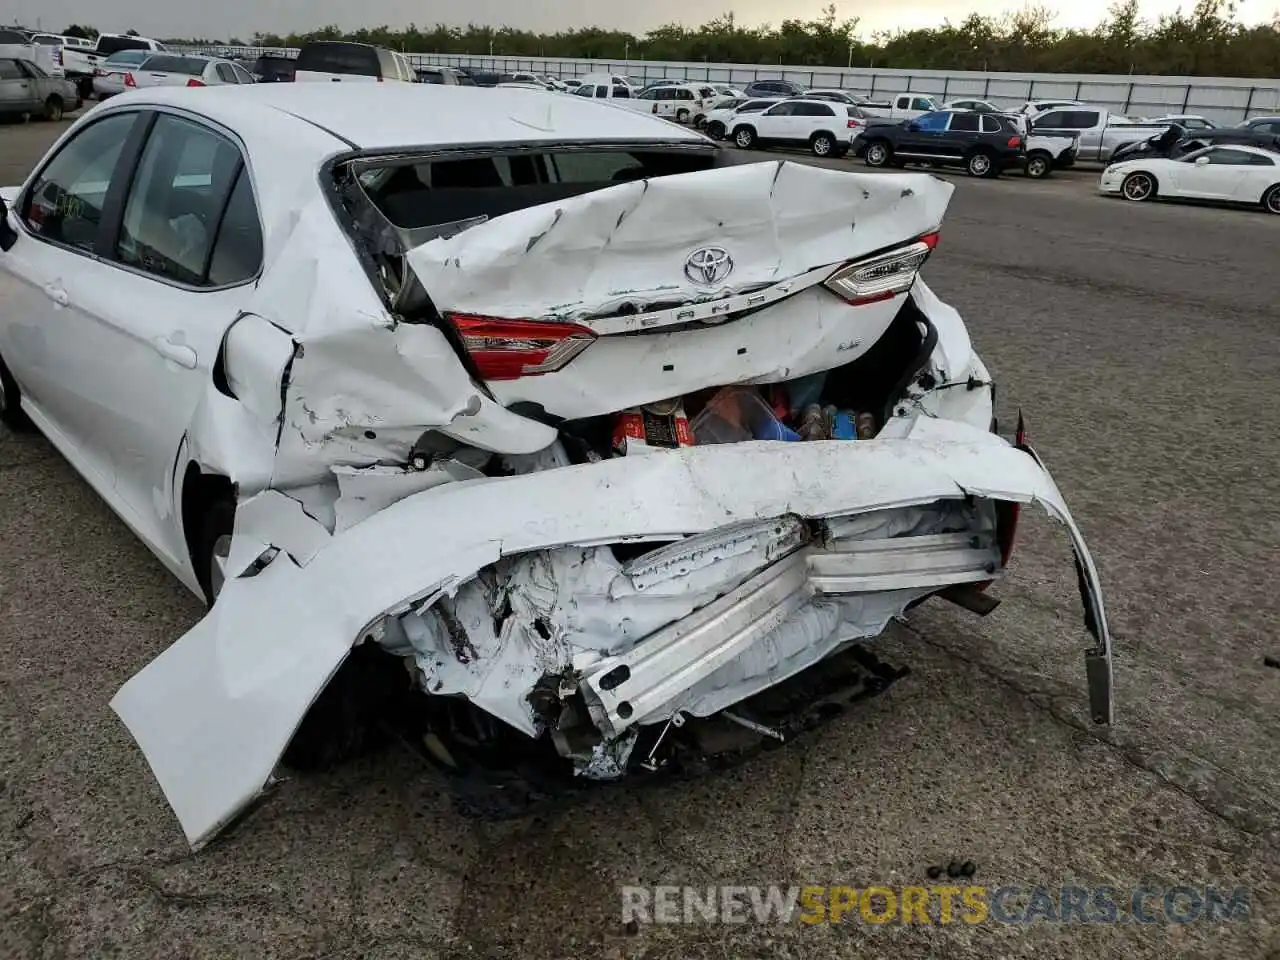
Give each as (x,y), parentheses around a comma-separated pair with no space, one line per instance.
(878,154)
(822,145)
(213,548)
(715,130)
(981,164)
(1039,166)
(745,138)
(699,122)
(1271,200)
(11,413)
(53,109)
(682,116)
(1138,187)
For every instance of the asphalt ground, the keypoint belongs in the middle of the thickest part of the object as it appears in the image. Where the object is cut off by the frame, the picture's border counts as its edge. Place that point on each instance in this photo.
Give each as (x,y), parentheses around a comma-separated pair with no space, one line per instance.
(1140,340)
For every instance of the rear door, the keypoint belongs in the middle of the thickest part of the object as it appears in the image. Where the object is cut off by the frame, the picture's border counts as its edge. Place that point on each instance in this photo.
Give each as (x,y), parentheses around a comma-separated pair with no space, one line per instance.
(963,133)
(17,93)
(923,137)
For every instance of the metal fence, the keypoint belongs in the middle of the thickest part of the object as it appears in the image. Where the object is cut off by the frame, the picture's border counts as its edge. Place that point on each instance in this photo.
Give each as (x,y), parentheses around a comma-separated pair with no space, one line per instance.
(1223,100)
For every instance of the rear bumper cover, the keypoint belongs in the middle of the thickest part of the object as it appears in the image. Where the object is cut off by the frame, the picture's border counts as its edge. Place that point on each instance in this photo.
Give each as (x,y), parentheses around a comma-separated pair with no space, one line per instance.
(214,712)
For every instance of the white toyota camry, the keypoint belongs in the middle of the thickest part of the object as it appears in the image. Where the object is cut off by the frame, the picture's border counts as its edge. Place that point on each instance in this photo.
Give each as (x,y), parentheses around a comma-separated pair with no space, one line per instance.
(594,436)
(1232,174)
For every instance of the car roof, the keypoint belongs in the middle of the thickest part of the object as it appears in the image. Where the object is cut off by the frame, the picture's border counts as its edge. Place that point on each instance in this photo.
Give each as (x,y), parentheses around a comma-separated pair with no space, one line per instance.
(1247,148)
(373,117)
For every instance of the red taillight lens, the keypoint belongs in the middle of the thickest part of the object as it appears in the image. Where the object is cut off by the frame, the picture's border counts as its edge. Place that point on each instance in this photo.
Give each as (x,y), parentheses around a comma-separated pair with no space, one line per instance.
(129,81)
(854,123)
(510,349)
(883,276)
(193,82)
(1015,143)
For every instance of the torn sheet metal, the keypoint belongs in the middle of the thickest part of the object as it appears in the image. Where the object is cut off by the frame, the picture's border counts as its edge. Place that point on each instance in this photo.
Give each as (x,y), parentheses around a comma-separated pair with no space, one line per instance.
(214,712)
(628,246)
(364,491)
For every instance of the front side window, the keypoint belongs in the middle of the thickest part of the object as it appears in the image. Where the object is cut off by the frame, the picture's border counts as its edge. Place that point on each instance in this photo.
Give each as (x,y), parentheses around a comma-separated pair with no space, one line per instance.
(932,122)
(184,178)
(32,71)
(1052,120)
(922,103)
(65,202)
(1227,157)
(9,70)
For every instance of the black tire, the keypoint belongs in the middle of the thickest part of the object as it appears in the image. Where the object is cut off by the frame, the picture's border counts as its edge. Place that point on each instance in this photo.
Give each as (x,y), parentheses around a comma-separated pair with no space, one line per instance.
(744,138)
(1271,199)
(1039,165)
(878,154)
(1139,186)
(982,164)
(53,109)
(85,87)
(212,539)
(715,130)
(682,116)
(822,144)
(699,121)
(11,412)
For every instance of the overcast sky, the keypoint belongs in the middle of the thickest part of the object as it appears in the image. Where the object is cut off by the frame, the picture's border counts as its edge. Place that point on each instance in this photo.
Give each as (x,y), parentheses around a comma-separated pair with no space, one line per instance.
(242,17)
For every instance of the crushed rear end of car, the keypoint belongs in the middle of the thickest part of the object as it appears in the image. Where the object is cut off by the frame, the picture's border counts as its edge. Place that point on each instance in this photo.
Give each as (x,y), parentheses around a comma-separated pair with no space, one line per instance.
(611,465)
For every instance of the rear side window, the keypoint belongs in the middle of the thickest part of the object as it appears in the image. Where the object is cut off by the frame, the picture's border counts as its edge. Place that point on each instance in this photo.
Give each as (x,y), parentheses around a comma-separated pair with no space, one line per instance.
(351,59)
(237,250)
(813,110)
(965,123)
(226,74)
(176,203)
(65,202)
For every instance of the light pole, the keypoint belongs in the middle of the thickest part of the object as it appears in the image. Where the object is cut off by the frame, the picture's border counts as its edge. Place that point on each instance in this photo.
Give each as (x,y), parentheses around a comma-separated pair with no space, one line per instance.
(626,53)
(850,54)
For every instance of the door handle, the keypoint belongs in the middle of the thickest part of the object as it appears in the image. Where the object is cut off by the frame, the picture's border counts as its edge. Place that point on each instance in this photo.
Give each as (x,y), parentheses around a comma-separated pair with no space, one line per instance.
(179,353)
(56,294)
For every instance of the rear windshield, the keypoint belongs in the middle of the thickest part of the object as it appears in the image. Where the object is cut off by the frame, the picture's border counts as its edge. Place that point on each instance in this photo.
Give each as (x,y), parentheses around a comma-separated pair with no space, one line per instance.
(435,192)
(166,63)
(127,57)
(353,59)
(110,45)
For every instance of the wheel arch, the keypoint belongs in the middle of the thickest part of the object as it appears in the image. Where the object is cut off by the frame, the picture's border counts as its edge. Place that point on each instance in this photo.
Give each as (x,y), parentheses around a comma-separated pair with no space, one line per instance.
(200,491)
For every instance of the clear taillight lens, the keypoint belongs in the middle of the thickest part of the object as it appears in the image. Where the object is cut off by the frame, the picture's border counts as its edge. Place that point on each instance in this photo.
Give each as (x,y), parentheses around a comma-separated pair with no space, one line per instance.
(883,276)
(511,349)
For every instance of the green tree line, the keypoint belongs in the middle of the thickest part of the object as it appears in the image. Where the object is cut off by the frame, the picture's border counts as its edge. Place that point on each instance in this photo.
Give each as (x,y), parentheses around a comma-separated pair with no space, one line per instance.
(1207,40)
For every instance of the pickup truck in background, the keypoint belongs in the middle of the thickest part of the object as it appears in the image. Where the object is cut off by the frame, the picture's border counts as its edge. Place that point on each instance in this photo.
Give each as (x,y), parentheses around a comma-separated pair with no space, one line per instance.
(78,59)
(904,106)
(1099,131)
(17,45)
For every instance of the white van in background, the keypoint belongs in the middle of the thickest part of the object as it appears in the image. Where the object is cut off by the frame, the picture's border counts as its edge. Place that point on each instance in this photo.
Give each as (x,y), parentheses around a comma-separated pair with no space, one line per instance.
(339,61)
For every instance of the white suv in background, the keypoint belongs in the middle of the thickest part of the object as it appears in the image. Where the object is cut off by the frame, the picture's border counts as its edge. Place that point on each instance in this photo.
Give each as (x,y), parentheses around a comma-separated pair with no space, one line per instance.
(720,119)
(825,128)
(683,103)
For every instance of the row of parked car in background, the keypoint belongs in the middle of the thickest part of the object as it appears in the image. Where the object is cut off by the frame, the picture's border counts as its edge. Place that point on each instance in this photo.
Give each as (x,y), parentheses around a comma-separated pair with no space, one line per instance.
(46,75)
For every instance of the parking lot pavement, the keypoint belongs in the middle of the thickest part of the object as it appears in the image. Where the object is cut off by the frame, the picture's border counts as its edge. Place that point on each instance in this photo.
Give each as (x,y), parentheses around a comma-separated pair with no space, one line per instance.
(1143,343)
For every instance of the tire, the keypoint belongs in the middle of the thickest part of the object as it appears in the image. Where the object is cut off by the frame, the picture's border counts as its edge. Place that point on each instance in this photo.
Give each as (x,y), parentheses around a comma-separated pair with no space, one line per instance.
(212,545)
(699,122)
(981,164)
(822,144)
(744,138)
(53,109)
(715,130)
(1271,200)
(1138,187)
(85,87)
(682,116)
(11,412)
(878,154)
(1039,165)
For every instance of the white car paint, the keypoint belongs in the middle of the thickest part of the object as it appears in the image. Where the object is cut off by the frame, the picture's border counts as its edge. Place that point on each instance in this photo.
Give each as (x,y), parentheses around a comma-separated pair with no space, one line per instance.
(777,555)
(682,102)
(188,70)
(720,119)
(1235,174)
(109,75)
(986,106)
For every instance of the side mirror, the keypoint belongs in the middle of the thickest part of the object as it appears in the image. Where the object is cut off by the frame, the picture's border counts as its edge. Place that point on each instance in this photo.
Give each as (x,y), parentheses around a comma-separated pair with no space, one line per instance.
(8,235)
(1201,161)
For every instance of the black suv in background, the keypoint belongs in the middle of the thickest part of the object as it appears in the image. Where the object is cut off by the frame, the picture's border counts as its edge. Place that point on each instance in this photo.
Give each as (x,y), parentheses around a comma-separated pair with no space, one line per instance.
(985,144)
(773,88)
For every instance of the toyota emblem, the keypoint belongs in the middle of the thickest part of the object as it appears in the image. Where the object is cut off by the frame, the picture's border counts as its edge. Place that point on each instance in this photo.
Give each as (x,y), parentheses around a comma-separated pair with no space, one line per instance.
(708,265)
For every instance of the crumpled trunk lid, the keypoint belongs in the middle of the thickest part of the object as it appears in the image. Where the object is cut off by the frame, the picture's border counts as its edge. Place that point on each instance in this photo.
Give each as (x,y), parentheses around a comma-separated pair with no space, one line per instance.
(679,283)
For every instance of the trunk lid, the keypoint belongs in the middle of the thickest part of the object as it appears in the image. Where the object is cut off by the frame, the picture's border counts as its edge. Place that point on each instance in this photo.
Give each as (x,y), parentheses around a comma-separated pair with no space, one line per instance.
(654,289)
